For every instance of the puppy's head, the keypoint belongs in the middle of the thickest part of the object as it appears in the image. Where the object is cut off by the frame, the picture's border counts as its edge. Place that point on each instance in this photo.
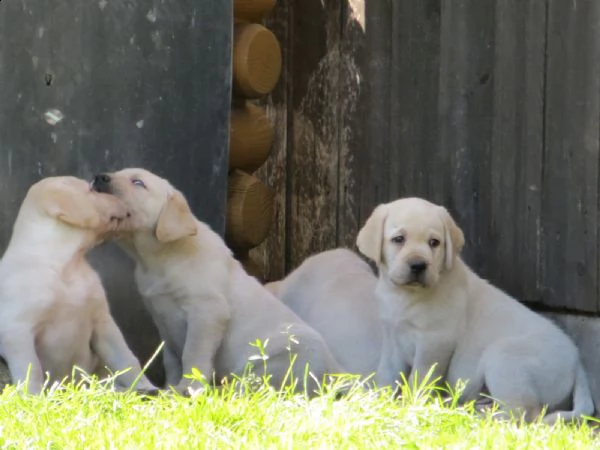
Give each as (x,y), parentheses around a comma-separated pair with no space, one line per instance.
(412,241)
(154,205)
(72,202)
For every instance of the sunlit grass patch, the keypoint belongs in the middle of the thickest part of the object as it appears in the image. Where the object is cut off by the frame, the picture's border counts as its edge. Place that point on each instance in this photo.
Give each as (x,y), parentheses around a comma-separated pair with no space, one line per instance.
(91,415)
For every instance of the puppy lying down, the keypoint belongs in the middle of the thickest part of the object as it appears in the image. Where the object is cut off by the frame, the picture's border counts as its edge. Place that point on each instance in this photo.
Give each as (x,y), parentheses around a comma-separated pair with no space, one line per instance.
(206,308)
(334,292)
(437,311)
(53,309)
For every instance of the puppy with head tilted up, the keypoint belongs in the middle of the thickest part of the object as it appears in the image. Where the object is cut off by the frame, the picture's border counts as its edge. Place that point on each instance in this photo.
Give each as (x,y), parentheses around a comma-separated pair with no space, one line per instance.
(437,311)
(207,309)
(53,309)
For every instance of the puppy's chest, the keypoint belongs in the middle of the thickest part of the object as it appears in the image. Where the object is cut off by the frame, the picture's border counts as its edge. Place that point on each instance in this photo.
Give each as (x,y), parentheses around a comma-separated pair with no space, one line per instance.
(397,314)
(162,295)
(64,295)
(166,302)
(408,323)
(66,318)
(77,289)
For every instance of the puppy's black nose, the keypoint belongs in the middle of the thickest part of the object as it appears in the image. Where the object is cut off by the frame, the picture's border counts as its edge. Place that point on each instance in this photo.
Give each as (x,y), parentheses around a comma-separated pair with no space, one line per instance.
(101,183)
(418,267)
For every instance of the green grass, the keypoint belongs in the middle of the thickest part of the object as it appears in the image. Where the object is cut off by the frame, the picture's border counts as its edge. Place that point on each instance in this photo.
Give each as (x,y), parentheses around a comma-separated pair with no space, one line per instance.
(80,417)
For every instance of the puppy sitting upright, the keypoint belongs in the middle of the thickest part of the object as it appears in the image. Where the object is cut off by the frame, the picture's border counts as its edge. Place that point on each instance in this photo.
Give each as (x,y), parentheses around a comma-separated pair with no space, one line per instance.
(437,311)
(207,309)
(53,309)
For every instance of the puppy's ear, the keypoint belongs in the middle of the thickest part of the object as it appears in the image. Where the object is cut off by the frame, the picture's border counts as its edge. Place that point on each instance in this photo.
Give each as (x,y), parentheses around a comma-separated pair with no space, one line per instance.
(176,220)
(370,236)
(453,237)
(69,207)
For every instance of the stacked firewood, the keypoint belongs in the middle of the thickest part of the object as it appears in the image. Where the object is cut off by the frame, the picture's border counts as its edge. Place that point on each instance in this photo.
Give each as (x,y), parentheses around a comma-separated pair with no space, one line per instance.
(256,70)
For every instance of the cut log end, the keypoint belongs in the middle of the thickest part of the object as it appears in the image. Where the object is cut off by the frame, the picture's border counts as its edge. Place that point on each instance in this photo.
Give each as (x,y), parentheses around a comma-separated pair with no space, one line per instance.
(256,60)
(250,138)
(252,10)
(249,211)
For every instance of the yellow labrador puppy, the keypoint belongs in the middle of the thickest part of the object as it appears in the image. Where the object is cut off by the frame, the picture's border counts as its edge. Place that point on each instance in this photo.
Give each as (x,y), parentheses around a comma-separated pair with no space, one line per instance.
(53,309)
(334,292)
(207,309)
(437,311)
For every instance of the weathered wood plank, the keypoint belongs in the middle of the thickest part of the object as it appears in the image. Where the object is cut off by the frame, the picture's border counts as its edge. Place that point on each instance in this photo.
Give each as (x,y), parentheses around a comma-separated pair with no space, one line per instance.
(271,254)
(517,147)
(414,121)
(373,159)
(570,178)
(314,156)
(352,118)
(466,100)
(488,107)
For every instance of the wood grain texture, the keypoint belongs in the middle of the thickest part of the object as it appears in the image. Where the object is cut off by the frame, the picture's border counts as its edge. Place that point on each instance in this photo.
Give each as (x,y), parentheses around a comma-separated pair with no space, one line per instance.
(416,154)
(249,211)
(374,176)
(271,255)
(314,159)
(487,107)
(323,132)
(250,136)
(517,147)
(256,60)
(570,178)
(252,10)
(351,119)
(466,99)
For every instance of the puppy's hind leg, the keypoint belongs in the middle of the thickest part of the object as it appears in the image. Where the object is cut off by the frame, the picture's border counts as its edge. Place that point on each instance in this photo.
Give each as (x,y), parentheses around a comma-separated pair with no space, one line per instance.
(511,385)
(109,344)
(286,370)
(582,400)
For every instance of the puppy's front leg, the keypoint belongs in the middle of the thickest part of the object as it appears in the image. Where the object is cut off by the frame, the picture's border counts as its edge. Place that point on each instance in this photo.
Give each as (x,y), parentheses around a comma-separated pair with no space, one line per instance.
(172,363)
(429,353)
(391,361)
(206,327)
(21,357)
(108,342)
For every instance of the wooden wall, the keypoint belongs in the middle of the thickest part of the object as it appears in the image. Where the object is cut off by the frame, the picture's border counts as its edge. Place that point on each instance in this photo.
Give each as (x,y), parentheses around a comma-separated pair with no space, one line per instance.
(490,107)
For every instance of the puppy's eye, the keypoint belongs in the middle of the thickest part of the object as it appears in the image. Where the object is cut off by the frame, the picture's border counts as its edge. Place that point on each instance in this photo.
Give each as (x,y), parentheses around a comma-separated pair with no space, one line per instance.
(433,243)
(398,239)
(138,182)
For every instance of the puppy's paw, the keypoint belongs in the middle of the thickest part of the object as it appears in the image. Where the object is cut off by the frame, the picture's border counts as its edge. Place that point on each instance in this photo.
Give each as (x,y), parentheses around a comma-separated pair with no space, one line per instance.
(150,392)
(188,389)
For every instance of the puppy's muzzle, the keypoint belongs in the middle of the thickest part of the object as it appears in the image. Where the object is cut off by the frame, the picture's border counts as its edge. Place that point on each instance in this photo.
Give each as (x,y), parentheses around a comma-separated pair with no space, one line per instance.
(101,183)
(418,269)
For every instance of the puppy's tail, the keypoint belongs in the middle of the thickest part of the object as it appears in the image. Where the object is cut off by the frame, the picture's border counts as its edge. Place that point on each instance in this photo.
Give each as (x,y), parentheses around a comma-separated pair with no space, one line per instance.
(583,405)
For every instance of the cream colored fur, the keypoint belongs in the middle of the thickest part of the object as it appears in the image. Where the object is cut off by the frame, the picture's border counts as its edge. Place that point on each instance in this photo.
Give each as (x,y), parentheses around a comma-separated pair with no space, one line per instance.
(207,309)
(438,311)
(334,292)
(53,309)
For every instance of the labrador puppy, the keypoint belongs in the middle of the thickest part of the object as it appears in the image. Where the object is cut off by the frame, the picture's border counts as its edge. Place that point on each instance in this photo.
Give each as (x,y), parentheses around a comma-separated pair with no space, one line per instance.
(53,309)
(334,292)
(208,311)
(435,310)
